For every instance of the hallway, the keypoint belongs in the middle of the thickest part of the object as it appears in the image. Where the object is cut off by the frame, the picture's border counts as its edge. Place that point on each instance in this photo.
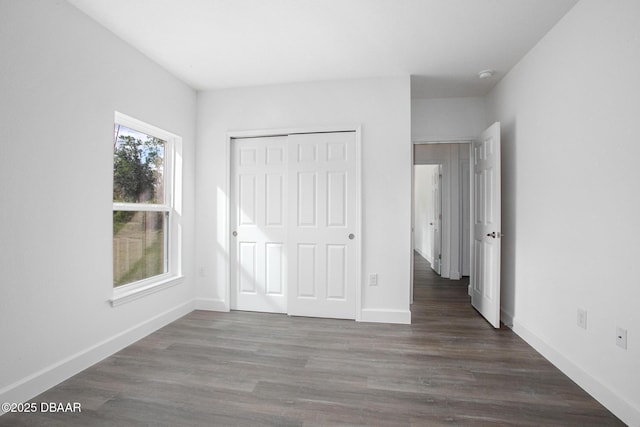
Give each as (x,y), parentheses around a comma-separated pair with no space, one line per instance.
(434,296)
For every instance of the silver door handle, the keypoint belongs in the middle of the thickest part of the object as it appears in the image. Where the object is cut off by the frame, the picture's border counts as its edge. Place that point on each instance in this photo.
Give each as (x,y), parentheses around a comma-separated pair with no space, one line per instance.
(352,236)
(235,233)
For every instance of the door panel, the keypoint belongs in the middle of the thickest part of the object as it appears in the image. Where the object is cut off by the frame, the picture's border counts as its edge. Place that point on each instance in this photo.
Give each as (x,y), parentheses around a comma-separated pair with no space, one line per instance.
(248,268)
(336,199)
(274,199)
(306,199)
(247,195)
(306,269)
(485,273)
(324,191)
(274,265)
(258,217)
(336,271)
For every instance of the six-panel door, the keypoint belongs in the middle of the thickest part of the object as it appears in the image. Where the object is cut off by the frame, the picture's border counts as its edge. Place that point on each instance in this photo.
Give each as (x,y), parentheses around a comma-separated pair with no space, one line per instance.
(322,267)
(259,223)
(485,249)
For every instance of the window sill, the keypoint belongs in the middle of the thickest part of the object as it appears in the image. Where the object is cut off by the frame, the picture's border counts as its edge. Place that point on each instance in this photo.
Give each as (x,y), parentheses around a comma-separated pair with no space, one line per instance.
(127,295)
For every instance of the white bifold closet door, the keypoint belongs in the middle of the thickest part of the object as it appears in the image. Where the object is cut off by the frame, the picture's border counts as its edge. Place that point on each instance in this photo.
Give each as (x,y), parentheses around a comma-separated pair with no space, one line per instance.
(293,221)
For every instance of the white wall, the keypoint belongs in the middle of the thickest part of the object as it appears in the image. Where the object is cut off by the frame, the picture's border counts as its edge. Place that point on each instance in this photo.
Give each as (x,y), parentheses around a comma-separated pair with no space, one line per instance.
(382,107)
(63,76)
(446,119)
(423,210)
(570,108)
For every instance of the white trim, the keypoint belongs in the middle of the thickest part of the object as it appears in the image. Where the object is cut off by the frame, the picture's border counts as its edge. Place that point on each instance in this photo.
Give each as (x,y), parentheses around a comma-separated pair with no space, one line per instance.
(418,141)
(385,316)
(613,401)
(358,225)
(143,207)
(412,226)
(291,131)
(211,304)
(226,242)
(38,382)
(125,294)
(505,317)
(144,127)
(227,218)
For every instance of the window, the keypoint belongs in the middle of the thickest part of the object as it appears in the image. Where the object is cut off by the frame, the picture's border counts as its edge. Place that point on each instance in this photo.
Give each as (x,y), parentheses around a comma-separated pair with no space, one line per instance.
(145,216)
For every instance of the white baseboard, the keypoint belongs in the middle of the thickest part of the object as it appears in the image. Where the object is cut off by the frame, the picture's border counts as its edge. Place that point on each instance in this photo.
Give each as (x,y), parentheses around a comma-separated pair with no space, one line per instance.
(617,404)
(38,382)
(455,275)
(505,317)
(211,304)
(385,316)
(424,255)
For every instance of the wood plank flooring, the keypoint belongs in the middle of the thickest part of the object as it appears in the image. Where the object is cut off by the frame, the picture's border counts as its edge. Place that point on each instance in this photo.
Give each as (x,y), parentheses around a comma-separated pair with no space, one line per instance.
(234,369)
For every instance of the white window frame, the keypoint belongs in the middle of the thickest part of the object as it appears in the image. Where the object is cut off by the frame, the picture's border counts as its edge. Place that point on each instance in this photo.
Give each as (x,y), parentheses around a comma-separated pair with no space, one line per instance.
(172,205)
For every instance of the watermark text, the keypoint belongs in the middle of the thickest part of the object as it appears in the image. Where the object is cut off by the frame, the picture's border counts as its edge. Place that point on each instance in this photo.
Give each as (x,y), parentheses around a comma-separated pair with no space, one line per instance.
(26,407)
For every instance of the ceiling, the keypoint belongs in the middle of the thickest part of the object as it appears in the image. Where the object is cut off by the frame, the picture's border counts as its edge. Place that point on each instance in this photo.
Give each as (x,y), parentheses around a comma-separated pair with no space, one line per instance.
(442,44)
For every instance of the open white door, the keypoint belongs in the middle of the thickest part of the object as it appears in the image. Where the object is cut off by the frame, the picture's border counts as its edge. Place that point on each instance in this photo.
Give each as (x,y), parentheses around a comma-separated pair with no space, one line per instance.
(485,250)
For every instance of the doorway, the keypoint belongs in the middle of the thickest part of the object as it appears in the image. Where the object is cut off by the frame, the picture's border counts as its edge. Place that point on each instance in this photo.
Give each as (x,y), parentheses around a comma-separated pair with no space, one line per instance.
(441,201)
(427,225)
(476,164)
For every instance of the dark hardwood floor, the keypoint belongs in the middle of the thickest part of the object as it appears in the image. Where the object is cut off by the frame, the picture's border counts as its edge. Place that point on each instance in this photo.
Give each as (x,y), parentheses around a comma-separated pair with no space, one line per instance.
(216,369)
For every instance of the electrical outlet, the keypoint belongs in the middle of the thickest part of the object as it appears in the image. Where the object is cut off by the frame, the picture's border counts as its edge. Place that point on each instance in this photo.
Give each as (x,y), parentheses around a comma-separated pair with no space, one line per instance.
(582,318)
(621,337)
(373,279)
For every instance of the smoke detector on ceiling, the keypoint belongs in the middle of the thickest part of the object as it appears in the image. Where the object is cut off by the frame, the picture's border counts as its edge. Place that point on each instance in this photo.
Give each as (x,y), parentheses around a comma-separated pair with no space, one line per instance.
(486,74)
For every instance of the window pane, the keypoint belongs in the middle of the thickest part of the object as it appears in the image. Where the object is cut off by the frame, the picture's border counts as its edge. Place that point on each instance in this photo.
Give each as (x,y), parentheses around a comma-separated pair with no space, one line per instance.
(139,245)
(138,167)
